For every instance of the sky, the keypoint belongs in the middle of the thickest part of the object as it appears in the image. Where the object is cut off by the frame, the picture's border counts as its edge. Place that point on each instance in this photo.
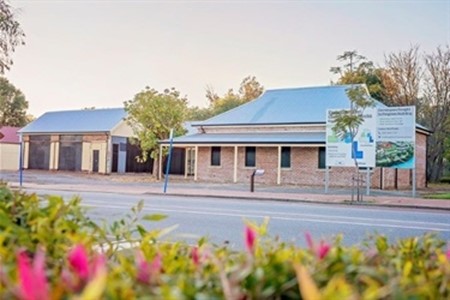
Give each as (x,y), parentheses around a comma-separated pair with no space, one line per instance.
(99,54)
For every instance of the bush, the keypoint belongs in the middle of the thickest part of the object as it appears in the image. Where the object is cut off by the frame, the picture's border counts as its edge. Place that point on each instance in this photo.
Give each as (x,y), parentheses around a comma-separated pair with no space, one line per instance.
(445,180)
(49,249)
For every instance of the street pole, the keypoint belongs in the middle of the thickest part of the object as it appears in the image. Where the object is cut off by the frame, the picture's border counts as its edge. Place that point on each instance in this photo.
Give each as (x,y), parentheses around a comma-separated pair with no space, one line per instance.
(166,179)
(20,160)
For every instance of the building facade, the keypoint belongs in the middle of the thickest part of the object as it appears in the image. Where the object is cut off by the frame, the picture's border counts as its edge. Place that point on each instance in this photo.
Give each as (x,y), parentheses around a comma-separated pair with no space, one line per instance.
(9,148)
(283,133)
(90,140)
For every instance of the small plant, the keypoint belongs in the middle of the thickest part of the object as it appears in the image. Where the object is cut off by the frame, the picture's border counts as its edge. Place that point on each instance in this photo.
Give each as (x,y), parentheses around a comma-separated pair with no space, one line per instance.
(49,250)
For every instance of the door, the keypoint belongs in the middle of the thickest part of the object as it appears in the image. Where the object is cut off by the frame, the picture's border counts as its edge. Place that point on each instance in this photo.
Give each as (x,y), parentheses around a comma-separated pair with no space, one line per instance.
(115,158)
(95,159)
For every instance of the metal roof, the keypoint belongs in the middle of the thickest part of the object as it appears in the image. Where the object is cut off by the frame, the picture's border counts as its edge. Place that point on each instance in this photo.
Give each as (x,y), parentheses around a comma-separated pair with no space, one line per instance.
(8,135)
(76,121)
(286,106)
(252,138)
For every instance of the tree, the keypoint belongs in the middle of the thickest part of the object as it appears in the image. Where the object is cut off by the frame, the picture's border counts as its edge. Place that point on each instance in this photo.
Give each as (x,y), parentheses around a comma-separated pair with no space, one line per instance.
(13,105)
(152,115)
(347,122)
(436,109)
(401,77)
(249,90)
(356,69)
(11,35)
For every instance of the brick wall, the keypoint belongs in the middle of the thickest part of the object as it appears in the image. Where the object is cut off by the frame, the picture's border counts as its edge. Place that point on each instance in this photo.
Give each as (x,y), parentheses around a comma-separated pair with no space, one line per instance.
(304,168)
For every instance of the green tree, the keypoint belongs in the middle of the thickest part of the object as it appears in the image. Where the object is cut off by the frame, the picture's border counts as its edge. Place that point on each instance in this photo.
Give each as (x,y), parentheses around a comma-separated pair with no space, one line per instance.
(249,90)
(347,122)
(13,105)
(11,35)
(152,115)
(356,69)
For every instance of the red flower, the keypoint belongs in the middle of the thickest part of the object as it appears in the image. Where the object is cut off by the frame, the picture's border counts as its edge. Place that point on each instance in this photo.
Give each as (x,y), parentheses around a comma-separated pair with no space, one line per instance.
(32,279)
(250,239)
(320,251)
(195,256)
(79,261)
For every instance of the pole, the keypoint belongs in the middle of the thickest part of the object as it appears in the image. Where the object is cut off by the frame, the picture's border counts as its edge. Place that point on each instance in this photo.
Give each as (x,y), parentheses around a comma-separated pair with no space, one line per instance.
(414,183)
(327,178)
(368,182)
(20,159)
(166,179)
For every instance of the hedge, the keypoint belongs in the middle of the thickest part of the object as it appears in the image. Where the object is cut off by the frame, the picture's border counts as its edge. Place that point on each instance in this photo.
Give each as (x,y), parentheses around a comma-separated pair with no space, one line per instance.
(50,249)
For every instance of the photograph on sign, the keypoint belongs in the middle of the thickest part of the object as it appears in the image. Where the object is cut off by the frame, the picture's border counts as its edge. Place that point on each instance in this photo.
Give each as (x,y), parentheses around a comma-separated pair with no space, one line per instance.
(342,151)
(396,137)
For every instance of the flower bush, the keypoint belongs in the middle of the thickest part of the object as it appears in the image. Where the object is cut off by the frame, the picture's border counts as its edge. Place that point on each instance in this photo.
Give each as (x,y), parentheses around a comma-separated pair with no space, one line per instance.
(50,249)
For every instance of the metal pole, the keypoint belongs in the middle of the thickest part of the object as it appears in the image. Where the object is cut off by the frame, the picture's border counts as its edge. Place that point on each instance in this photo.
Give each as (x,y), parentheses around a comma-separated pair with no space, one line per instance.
(166,179)
(20,160)
(414,183)
(327,179)
(368,182)
(252,182)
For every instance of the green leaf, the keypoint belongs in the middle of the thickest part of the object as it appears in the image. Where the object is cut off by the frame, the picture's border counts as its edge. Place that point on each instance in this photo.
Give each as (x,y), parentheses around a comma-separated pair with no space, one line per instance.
(154,217)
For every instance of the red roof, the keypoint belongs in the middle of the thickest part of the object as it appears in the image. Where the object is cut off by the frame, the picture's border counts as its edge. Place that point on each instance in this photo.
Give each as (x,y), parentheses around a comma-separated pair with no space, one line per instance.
(8,135)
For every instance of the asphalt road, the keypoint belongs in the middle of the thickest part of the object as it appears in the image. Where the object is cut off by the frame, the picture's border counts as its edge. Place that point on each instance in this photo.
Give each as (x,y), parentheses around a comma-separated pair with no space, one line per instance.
(222,220)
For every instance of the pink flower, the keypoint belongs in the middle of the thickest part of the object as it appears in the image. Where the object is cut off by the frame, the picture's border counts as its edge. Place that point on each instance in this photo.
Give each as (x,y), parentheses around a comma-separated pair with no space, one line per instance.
(323,250)
(250,239)
(32,279)
(146,270)
(195,255)
(156,265)
(143,268)
(448,253)
(320,251)
(79,261)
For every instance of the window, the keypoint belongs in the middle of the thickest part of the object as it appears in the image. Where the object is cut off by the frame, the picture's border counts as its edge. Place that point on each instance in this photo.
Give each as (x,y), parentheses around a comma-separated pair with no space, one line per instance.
(215,156)
(322,158)
(285,157)
(250,156)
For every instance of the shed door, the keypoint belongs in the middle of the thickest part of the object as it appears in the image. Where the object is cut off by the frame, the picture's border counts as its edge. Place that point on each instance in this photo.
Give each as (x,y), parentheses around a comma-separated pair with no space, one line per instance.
(39,154)
(115,158)
(95,159)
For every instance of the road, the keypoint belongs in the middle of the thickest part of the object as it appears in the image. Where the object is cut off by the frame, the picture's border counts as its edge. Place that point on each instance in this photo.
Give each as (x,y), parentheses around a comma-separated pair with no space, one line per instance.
(222,219)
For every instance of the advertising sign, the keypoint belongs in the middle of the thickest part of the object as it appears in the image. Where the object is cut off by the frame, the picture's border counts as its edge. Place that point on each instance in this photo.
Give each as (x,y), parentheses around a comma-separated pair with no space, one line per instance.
(395,137)
(339,152)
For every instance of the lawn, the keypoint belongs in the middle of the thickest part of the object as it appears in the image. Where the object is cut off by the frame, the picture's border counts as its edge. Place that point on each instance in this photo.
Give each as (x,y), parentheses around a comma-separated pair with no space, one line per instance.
(441,196)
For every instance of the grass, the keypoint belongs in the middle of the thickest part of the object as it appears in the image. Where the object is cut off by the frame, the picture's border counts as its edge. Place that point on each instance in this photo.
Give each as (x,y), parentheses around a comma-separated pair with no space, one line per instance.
(440,196)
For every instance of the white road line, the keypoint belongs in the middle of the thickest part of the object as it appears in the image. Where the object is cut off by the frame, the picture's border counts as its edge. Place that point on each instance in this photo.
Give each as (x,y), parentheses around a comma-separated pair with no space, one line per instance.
(271,213)
(293,219)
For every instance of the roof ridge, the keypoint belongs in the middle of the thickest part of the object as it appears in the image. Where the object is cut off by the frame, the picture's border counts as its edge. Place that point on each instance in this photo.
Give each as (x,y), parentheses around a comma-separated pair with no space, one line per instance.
(314,87)
(85,109)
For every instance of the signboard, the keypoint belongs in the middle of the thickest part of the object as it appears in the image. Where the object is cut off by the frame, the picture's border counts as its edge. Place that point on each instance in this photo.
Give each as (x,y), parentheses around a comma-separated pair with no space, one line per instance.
(395,138)
(339,150)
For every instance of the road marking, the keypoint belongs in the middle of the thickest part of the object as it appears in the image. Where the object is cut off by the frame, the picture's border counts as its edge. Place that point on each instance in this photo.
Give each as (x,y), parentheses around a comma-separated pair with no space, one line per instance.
(270,213)
(290,219)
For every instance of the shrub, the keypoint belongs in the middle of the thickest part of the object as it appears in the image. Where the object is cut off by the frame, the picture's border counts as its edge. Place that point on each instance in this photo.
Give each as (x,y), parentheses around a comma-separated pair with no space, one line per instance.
(49,249)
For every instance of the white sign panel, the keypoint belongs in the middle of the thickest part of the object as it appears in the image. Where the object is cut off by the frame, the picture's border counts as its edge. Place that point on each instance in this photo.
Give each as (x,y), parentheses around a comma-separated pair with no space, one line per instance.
(396,137)
(339,150)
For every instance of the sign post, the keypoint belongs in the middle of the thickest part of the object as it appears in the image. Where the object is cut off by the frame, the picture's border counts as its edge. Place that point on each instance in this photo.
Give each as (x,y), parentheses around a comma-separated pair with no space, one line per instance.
(169,161)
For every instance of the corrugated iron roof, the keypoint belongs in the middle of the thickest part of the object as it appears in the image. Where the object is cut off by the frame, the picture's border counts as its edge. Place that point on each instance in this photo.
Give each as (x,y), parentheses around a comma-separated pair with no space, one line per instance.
(252,138)
(76,121)
(8,135)
(286,106)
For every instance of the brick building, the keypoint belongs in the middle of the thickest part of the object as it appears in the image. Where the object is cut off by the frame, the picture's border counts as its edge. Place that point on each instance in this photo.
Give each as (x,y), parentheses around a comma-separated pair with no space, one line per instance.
(88,140)
(282,132)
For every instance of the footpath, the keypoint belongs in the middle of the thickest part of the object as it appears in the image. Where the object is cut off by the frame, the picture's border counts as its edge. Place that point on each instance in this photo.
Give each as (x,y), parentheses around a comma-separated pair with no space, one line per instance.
(110,184)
